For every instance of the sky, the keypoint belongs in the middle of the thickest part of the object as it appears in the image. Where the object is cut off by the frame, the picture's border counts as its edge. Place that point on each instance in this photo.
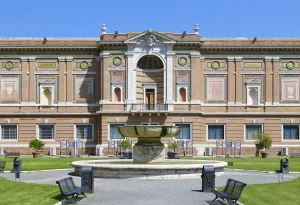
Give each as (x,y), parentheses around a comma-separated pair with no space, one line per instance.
(84,18)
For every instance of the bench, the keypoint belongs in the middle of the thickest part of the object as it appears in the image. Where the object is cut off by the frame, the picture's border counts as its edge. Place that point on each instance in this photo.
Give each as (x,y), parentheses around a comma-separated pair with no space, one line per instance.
(69,190)
(2,166)
(295,154)
(11,154)
(232,192)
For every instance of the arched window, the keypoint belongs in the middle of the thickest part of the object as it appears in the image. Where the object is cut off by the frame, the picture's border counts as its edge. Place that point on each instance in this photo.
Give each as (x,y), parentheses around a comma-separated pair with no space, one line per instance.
(47,96)
(117,97)
(150,62)
(182,95)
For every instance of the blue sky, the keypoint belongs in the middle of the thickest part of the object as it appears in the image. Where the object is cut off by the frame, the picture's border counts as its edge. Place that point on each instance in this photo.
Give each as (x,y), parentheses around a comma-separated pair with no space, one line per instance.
(215,18)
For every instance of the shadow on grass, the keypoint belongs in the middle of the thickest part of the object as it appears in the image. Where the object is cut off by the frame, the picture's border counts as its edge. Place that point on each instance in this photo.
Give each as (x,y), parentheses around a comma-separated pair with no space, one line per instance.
(61,198)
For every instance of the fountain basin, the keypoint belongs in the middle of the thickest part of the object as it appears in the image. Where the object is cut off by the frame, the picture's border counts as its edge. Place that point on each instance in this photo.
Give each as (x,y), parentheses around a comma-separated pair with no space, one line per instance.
(171,169)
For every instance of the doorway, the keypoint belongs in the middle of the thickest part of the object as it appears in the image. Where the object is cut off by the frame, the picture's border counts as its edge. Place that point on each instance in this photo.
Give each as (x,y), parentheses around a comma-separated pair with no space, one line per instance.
(149,99)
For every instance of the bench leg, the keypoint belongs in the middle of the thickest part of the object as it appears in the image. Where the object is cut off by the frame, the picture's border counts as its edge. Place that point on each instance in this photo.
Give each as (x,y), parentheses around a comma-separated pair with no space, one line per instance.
(216,198)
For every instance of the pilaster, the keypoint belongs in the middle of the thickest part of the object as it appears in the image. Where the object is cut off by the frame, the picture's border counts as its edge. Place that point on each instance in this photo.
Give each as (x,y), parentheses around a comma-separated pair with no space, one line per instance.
(231,80)
(201,79)
(269,80)
(62,80)
(32,81)
(238,80)
(131,79)
(98,79)
(275,80)
(69,85)
(195,82)
(169,72)
(25,80)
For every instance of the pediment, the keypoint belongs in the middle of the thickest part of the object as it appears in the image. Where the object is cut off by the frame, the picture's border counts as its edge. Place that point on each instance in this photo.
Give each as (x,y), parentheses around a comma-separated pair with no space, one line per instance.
(150,38)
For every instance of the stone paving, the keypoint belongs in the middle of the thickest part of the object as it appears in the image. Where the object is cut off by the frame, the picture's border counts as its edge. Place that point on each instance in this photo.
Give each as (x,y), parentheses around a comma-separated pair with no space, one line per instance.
(150,192)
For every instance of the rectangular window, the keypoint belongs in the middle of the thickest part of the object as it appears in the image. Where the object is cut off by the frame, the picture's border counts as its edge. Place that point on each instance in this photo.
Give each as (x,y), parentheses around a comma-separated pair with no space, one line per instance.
(291,132)
(9,132)
(184,133)
(114,133)
(215,132)
(84,132)
(252,130)
(46,132)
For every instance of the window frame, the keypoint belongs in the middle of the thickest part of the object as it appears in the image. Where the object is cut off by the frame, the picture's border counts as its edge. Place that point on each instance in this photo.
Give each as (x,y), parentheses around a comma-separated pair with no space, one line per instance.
(75,132)
(14,140)
(38,132)
(108,131)
(245,131)
(290,140)
(224,125)
(184,123)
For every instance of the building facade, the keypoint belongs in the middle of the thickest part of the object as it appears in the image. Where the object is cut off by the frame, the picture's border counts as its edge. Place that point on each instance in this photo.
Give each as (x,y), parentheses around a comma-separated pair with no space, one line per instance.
(214,88)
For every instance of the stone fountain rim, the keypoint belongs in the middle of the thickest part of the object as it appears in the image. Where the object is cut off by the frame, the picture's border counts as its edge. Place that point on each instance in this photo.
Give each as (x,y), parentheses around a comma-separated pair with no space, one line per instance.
(84,163)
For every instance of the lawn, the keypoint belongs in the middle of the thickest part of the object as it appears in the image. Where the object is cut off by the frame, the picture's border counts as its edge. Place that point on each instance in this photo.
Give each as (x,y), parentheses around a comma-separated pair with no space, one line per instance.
(28,193)
(43,163)
(286,193)
(258,163)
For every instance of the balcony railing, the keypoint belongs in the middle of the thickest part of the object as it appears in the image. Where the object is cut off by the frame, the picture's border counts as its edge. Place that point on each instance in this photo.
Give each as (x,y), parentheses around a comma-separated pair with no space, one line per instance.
(148,107)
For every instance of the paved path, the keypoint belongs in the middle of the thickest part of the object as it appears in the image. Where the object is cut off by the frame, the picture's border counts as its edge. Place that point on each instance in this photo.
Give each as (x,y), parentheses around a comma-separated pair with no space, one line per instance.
(150,192)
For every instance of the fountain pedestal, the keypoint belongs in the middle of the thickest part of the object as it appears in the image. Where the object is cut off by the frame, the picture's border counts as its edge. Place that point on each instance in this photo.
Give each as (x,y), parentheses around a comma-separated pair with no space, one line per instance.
(148,150)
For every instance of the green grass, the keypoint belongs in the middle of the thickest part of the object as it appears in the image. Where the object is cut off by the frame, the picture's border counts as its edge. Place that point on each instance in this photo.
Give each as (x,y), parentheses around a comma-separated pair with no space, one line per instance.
(28,193)
(43,163)
(258,163)
(286,193)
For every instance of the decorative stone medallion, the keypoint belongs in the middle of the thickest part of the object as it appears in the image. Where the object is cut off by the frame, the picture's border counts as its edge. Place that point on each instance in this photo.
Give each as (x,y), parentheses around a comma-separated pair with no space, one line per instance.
(117,61)
(182,61)
(215,65)
(290,65)
(84,65)
(9,65)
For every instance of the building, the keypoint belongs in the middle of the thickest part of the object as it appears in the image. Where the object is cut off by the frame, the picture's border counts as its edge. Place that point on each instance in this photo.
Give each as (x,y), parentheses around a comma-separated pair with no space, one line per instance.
(58,89)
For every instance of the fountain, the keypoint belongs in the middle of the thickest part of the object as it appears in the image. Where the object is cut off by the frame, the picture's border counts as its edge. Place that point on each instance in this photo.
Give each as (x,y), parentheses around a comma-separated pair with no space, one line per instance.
(149,148)
(148,157)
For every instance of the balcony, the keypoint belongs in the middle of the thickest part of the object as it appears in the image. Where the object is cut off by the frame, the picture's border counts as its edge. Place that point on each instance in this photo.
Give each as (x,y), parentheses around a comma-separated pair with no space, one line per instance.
(149,108)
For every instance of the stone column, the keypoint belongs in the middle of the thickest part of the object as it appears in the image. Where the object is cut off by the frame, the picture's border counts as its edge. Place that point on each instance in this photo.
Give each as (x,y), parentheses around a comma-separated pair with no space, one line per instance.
(276,80)
(32,80)
(238,80)
(201,79)
(169,78)
(25,80)
(269,81)
(69,85)
(231,80)
(62,80)
(195,74)
(105,81)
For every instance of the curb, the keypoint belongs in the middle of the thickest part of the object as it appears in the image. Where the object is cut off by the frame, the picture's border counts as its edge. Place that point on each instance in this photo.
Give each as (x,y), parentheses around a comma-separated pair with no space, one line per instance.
(49,170)
(269,172)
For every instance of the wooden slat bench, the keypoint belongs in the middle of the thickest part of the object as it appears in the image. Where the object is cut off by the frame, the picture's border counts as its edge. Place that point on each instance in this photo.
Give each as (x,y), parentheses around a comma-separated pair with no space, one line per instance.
(11,154)
(295,154)
(2,166)
(232,192)
(69,190)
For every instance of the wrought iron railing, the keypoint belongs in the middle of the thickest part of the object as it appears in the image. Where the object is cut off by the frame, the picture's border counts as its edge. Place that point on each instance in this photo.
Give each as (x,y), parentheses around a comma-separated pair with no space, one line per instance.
(149,107)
